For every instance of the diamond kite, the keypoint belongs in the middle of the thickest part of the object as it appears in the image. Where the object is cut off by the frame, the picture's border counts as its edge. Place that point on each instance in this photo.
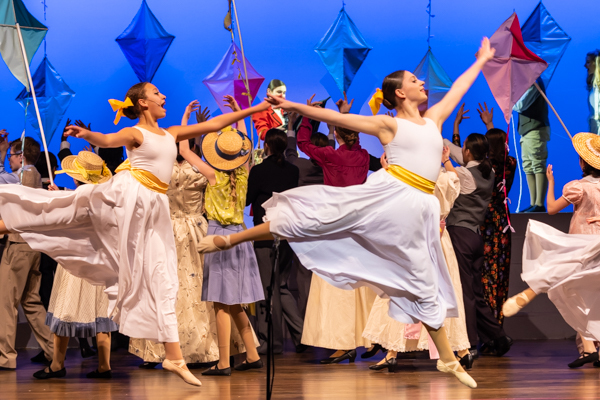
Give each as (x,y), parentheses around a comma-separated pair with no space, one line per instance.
(13,12)
(545,38)
(53,95)
(437,81)
(343,50)
(228,78)
(145,43)
(514,67)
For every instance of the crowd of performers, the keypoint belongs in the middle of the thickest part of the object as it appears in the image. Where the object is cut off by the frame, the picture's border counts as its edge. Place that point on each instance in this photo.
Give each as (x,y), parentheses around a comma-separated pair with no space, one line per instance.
(414,256)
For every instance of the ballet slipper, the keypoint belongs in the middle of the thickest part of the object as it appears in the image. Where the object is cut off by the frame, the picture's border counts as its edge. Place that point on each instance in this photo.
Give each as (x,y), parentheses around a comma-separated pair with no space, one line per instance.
(452,368)
(176,366)
(511,307)
(207,244)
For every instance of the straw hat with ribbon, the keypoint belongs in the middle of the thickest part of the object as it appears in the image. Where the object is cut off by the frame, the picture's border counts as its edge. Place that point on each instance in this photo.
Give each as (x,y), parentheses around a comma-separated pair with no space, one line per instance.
(226,150)
(587,146)
(86,167)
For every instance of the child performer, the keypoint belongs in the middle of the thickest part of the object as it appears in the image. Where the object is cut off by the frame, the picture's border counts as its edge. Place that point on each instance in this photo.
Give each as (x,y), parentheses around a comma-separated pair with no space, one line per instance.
(231,278)
(119,233)
(384,234)
(566,265)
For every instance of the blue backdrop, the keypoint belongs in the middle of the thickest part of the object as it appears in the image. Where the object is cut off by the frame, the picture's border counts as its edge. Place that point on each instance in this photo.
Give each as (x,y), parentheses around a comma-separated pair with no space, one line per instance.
(279,37)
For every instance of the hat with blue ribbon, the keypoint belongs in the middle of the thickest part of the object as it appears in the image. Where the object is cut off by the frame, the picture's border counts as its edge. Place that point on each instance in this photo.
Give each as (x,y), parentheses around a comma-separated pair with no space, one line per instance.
(226,150)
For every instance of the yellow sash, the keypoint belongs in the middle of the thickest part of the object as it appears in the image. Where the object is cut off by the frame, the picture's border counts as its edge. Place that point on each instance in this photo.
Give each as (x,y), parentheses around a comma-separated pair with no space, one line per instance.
(412,179)
(144,177)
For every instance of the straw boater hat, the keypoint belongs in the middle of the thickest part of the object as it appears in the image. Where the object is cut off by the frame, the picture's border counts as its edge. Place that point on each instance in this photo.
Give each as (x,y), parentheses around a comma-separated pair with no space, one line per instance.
(587,146)
(226,150)
(86,167)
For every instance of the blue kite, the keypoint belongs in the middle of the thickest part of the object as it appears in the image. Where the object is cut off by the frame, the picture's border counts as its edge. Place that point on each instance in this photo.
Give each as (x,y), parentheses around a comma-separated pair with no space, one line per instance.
(543,36)
(437,81)
(13,12)
(53,96)
(343,50)
(145,43)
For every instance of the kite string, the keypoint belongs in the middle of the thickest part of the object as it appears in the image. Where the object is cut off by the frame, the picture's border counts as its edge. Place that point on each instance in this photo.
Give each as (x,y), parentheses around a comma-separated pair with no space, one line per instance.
(429,35)
(45,7)
(519,167)
(23,140)
(246,83)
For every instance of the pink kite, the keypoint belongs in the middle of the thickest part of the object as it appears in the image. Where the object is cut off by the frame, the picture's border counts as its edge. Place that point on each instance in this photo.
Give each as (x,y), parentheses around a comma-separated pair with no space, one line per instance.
(228,78)
(514,68)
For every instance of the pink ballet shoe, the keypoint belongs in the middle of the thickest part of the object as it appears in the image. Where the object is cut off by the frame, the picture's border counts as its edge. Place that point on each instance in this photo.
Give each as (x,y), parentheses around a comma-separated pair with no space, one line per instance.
(511,307)
(176,366)
(452,368)
(207,244)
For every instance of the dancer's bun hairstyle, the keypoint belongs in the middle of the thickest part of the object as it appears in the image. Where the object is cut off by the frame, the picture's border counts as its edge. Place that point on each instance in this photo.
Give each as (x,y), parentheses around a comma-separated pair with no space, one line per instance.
(391,82)
(135,93)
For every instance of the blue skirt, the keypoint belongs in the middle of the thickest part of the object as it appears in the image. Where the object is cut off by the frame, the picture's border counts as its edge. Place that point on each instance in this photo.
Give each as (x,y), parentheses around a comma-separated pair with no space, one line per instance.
(231,276)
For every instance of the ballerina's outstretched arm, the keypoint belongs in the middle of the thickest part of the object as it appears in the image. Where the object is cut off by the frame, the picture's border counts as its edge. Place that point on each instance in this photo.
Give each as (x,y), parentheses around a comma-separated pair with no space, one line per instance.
(380,126)
(442,110)
(215,124)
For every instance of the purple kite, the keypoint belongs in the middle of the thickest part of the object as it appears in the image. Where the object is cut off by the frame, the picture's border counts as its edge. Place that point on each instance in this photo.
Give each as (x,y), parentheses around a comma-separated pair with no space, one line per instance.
(228,78)
(514,67)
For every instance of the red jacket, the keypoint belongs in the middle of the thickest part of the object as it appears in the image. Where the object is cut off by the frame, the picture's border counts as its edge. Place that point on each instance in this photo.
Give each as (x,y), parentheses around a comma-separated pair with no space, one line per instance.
(342,166)
(265,120)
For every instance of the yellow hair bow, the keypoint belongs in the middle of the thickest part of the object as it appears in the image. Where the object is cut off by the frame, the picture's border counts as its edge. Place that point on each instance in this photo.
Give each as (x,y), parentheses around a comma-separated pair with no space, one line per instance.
(118,106)
(376,100)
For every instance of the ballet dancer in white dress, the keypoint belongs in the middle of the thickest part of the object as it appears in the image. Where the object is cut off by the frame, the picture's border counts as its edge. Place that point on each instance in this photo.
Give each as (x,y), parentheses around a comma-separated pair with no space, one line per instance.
(384,234)
(118,233)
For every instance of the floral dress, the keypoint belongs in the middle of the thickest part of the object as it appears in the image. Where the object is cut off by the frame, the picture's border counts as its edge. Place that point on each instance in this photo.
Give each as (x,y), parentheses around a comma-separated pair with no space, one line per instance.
(497,241)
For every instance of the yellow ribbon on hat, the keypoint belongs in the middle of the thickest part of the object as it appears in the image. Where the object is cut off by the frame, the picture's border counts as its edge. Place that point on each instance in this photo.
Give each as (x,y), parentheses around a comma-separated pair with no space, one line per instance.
(376,101)
(411,179)
(91,175)
(118,106)
(146,178)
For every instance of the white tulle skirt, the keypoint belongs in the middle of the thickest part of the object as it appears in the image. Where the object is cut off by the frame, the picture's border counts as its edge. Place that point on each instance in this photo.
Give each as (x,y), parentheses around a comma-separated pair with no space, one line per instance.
(383,234)
(567,267)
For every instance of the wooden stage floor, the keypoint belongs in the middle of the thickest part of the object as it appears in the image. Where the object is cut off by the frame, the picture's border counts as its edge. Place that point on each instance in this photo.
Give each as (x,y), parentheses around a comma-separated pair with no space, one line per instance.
(531,370)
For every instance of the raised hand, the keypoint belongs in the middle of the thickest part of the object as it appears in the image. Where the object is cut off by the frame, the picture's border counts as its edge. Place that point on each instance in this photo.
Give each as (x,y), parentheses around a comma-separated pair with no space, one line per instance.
(550,174)
(3,141)
(88,148)
(292,118)
(202,115)
(81,124)
(64,137)
(343,105)
(231,102)
(391,114)
(461,114)
(486,52)
(312,103)
(487,116)
(189,109)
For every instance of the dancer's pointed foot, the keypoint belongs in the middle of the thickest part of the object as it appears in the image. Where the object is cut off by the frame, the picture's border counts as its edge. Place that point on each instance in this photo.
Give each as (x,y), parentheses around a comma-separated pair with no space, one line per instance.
(178,367)
(454,368)
(213,243)
(515,304)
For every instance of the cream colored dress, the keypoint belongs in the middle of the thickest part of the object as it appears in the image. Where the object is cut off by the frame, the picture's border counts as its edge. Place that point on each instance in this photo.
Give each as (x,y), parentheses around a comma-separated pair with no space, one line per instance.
(195,319)
(400,337)
(335,318)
